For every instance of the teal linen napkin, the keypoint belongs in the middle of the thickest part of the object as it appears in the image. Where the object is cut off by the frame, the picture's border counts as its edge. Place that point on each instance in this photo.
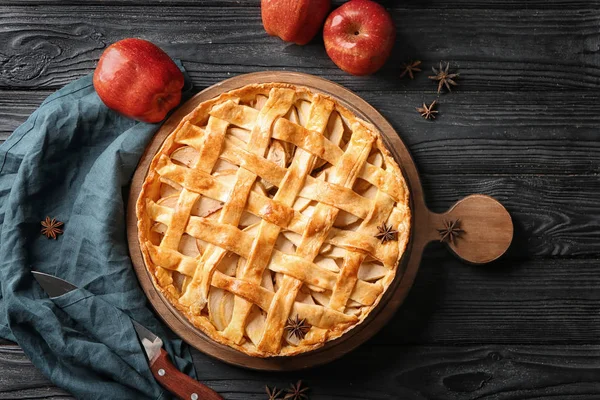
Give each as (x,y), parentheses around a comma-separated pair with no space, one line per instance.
(73,160)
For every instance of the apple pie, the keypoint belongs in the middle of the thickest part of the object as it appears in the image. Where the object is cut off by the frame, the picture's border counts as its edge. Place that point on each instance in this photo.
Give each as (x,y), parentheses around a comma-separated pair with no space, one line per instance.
(273,219)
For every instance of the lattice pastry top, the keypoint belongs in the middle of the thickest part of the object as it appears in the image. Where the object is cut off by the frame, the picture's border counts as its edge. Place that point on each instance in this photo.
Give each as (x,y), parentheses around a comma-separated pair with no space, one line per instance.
(260,219)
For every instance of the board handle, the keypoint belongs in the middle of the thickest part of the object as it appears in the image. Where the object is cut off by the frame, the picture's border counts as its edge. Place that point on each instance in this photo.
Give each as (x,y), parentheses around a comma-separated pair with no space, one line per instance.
(477,229)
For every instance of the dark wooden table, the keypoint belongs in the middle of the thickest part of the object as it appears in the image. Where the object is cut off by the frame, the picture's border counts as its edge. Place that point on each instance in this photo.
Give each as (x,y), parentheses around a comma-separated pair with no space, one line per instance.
(523,126)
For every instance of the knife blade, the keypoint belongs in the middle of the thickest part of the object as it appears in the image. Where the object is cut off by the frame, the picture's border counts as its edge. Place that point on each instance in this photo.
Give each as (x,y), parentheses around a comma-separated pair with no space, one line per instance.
(162,368)
(53,285)
(151,343)
(56,287)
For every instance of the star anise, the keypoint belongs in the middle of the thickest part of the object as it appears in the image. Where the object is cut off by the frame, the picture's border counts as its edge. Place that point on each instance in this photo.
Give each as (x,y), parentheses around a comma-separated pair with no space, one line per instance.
(296,392)
(410,67)
(386,233)
(273,393)
(297,327)
(50,228)
(427,111)
(451,231)
(444,78)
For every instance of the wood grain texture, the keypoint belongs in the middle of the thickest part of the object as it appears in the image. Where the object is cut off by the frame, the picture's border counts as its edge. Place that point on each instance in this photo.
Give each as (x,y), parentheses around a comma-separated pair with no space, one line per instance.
(390,4)
(539,301)
(15,108)
(398,372)
(376,372)
(477,229)
(19,379)
(514,49)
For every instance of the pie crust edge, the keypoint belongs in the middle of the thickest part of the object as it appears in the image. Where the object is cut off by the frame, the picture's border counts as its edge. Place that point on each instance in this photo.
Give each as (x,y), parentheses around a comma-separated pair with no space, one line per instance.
(144,223)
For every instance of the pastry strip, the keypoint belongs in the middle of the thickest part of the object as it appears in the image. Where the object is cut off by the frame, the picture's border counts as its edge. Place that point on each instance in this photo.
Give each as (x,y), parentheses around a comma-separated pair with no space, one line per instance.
(262,247)
(234,207)
(344,173)
(315,143)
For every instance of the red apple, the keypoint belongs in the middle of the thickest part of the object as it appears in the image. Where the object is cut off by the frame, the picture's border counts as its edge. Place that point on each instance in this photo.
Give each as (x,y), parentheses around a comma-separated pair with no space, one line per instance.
(295,21)
(359,36)
(138,79)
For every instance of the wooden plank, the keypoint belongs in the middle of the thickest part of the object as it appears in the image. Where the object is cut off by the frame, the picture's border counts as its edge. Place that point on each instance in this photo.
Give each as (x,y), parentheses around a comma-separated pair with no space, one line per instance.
(21,380)
(413,372)
(514,50)
(487,133)
(487,4)
(391,4)
(15,107)
(408,372)
(476,133)
(551,301)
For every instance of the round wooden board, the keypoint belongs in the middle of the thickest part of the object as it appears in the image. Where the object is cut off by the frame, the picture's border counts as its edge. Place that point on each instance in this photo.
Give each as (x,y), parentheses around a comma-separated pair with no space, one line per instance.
(423,230)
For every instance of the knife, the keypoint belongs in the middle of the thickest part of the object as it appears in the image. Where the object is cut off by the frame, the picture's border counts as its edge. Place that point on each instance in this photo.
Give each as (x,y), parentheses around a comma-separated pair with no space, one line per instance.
(162,368)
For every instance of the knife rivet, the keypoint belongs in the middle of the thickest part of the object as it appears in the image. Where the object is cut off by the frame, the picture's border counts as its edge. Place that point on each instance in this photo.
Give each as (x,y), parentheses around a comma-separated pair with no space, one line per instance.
(194,396)
(161,372)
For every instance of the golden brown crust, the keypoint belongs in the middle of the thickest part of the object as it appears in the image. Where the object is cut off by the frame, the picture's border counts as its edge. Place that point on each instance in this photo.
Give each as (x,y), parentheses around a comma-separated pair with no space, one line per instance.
(300,274)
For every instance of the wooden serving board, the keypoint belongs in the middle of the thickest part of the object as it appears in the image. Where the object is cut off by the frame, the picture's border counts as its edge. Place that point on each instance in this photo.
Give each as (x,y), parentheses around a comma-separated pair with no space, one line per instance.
(486,226)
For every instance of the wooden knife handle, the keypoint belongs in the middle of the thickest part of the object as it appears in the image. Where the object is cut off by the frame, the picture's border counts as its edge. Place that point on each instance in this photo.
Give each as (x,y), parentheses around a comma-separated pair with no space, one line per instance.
(179,383)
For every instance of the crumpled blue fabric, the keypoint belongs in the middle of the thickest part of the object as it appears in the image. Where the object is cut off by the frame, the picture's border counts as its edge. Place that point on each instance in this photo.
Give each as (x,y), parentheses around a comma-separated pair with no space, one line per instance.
(73,160)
